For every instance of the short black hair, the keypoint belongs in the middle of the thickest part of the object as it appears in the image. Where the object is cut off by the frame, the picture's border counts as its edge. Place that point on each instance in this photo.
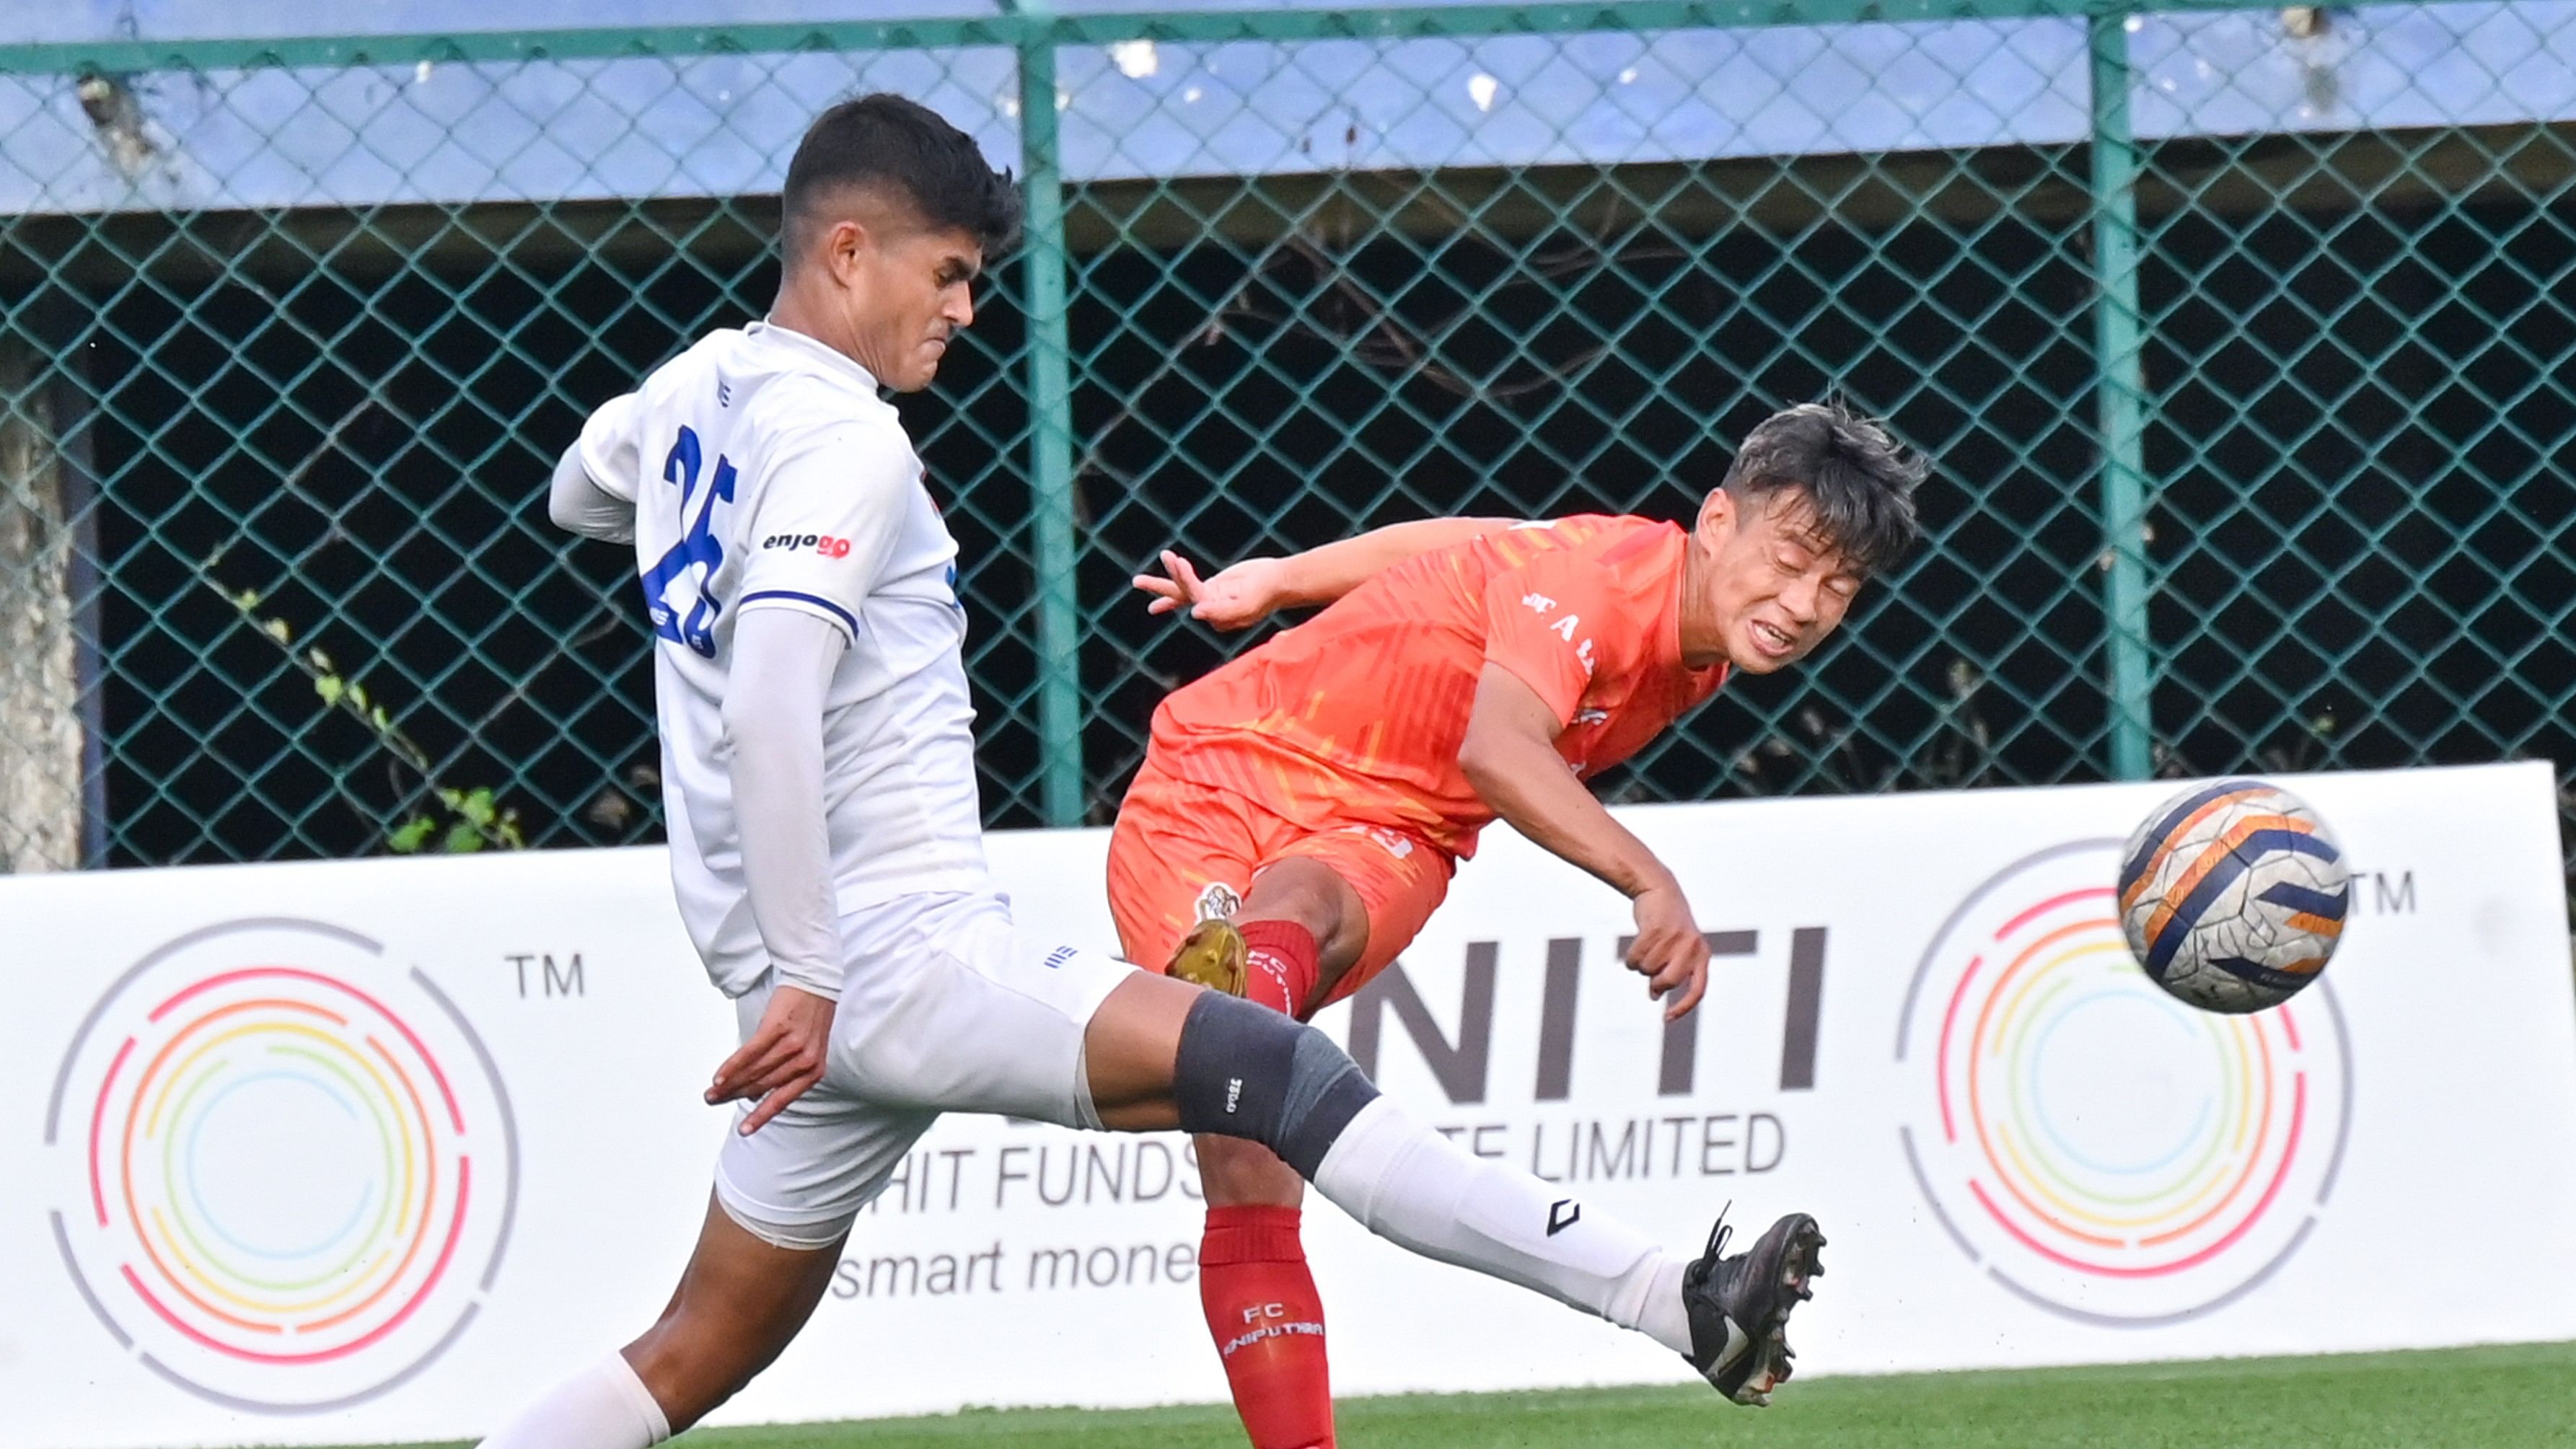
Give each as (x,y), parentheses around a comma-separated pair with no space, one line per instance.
(1856,480)
(909,150)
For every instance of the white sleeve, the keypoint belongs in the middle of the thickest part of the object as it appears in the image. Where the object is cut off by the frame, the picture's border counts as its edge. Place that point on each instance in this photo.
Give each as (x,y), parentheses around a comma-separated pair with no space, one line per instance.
(579,505)
(828,515)
(610,452)
(593,492)
(773,722)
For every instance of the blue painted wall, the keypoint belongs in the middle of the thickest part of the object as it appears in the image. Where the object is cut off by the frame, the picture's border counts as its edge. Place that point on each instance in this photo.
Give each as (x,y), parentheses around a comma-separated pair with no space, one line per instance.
(725,125)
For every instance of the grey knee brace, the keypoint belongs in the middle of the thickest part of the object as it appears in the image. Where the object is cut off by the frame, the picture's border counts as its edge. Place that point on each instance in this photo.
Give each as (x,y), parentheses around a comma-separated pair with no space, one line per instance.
(1247,1071)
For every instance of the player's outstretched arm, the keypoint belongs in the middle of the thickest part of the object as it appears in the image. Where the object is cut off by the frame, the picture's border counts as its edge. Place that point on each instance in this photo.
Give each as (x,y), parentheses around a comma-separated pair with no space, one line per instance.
(1509,756)
(1253,590)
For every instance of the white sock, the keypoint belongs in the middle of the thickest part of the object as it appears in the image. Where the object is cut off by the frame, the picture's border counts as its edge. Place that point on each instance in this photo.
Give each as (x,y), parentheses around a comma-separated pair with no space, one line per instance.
(605,1406)
(1665,1320)
(1416,1188)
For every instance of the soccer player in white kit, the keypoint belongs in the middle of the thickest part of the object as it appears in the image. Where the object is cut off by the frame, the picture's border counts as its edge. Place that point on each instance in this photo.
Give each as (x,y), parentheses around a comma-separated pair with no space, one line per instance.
(827,852)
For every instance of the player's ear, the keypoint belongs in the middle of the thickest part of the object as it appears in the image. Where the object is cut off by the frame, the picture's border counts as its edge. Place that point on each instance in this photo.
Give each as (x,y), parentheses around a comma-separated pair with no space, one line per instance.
(1718,517)
(846,242)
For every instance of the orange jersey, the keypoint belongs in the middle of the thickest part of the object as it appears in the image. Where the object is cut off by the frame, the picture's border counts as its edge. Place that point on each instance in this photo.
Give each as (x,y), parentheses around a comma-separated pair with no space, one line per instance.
(1355,717)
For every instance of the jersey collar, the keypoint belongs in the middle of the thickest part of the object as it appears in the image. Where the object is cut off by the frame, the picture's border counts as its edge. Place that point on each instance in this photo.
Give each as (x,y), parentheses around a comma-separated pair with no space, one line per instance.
(773,334)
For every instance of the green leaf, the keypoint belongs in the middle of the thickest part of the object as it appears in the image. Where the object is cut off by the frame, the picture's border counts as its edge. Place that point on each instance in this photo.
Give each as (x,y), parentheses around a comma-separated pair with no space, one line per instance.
(462,839)
(329,686)
(379,718)
(279,630)
(477,807)
(246,600)
(411,835)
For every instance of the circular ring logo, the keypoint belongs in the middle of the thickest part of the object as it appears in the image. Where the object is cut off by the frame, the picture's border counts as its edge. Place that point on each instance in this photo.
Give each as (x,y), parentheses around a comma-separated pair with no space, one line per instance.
(284,1168)
(2099,1148)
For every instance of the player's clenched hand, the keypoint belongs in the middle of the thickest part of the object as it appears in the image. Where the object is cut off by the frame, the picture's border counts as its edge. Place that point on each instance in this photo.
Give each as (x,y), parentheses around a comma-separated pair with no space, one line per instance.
(783,1059)
(1236,598)
(1669,950)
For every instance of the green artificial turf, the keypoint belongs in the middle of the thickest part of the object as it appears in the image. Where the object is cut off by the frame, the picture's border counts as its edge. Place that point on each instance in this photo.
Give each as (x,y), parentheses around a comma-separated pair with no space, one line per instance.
(2520,1395)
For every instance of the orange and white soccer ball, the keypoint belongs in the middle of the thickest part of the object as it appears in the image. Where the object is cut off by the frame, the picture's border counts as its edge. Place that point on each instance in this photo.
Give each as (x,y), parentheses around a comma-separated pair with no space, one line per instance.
(2233,895)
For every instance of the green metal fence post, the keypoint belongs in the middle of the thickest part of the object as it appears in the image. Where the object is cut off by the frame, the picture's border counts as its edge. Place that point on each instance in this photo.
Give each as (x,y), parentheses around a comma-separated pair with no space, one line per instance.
(1044,264)
(2120,335)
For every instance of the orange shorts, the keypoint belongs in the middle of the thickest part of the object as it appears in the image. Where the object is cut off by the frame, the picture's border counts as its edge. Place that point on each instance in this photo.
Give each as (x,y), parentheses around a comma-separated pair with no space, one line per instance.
(1184,851)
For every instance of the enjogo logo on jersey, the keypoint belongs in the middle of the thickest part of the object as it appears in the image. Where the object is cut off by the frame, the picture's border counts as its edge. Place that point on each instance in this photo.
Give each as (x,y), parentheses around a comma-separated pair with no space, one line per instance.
(283,1168)
(823,544)
(2100,1149)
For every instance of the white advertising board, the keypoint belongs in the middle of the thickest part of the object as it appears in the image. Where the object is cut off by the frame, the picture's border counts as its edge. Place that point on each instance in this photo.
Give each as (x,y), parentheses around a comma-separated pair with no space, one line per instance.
(378,1150)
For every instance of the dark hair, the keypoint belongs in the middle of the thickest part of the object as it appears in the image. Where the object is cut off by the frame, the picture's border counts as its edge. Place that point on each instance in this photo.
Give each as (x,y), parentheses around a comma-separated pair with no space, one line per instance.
(907,149)
(1856,481)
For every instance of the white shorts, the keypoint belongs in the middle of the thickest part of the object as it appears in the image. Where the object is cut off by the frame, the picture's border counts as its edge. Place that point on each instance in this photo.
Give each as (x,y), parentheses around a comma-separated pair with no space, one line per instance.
(947,1007)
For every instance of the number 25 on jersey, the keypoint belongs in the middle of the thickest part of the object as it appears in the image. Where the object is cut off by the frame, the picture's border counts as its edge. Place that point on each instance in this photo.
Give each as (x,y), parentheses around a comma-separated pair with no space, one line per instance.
(679,591)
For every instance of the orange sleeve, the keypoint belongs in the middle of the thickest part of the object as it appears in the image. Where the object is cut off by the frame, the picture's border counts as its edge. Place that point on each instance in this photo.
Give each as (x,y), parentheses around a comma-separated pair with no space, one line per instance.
(1551,622)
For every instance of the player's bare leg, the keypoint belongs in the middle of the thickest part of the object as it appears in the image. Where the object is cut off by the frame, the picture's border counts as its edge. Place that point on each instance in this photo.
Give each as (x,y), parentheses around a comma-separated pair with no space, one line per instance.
(1298,932)
(1162,1053)
(1158,1054)
(739,1302)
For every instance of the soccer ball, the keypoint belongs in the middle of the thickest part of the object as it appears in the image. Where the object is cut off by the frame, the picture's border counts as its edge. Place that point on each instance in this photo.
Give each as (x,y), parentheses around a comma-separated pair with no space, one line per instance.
(2232,895)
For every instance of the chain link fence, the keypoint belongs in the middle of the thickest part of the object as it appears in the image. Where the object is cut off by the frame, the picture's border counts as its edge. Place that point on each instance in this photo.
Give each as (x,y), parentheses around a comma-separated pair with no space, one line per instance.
(2244,339)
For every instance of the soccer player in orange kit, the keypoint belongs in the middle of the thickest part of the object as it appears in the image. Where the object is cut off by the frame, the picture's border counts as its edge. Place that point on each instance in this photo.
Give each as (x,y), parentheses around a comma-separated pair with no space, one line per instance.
(1300,810)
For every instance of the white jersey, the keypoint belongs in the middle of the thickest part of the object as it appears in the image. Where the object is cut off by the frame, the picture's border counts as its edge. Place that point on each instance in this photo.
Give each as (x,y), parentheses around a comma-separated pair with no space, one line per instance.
(766,472)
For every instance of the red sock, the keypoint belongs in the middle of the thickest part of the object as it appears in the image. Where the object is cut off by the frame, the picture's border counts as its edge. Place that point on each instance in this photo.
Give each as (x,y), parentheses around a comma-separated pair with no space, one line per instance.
(1269,1325)
(1281,958)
